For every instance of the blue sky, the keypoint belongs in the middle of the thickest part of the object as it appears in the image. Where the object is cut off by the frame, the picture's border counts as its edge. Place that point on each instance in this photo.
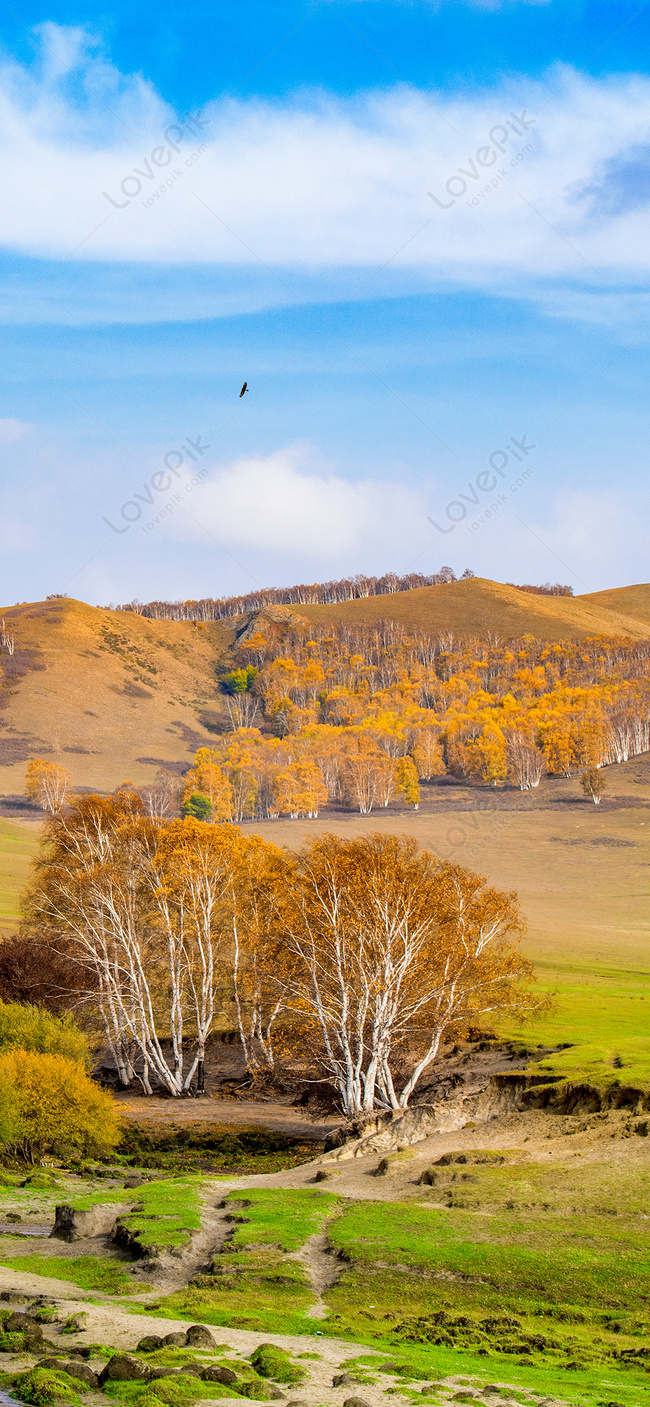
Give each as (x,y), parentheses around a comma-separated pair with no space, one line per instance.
(418,230)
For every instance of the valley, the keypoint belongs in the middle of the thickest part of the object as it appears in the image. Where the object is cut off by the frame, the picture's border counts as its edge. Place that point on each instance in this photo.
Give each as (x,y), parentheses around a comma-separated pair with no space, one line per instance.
(491,1245)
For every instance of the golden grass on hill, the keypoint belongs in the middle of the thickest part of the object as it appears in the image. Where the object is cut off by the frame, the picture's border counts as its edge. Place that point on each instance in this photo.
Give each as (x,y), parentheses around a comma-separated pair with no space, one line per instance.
(18,847)
(626,600)
(104,690)
(471,607)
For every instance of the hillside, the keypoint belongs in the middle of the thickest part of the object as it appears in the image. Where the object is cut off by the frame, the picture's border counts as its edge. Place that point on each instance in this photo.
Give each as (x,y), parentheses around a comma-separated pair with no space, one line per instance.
(473,606)
(113,695)
(107,694)
(627,600)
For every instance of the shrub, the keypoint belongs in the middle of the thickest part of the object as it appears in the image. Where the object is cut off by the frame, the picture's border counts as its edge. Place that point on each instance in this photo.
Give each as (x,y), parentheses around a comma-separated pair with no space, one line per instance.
(26,1027)
(11,1343)
(32,971)
(49,1105)
(197,805)
(593,784)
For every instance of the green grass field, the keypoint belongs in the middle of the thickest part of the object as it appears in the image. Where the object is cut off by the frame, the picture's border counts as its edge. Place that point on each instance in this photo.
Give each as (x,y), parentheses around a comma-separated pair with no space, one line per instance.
(89,1272)
(256,1282)
(516,1270)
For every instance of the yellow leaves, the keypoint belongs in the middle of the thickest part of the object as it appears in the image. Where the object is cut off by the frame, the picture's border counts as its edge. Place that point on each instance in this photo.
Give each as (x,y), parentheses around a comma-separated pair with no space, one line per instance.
(300,790)
(48,1104)
(208,779)
(427,755)
(406,779)
(47,783)
(392,951)
(485,756)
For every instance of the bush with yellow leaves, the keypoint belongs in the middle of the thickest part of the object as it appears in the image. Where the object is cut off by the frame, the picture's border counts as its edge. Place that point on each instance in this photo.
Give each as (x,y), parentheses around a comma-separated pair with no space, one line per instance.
(48,1104)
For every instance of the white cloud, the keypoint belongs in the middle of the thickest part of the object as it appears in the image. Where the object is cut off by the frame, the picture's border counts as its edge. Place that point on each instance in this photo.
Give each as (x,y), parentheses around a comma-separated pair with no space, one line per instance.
(317,182)
(292,504)
(11,430)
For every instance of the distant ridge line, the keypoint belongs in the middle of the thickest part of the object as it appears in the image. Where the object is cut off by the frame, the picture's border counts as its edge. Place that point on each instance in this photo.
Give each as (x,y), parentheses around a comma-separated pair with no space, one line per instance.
(328,593)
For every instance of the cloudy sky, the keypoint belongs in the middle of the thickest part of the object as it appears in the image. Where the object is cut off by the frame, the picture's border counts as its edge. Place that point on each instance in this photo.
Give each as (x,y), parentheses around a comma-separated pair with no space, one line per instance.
(417,228)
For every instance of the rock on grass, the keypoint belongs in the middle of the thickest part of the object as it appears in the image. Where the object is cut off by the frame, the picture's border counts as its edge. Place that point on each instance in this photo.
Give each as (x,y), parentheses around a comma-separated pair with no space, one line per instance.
(122,1368)
(200,1337)
(219,1375)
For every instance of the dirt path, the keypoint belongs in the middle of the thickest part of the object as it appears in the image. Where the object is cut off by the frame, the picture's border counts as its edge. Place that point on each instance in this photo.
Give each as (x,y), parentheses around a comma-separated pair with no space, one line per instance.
(322,1268)
(173,1269)
(280,1118)
(548,1138)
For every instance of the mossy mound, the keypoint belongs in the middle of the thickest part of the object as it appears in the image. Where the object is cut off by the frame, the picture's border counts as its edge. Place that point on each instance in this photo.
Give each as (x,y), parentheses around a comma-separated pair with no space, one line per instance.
(272,1362)
(40,1180)
(12,1343)
(44,1386)
(172,1392)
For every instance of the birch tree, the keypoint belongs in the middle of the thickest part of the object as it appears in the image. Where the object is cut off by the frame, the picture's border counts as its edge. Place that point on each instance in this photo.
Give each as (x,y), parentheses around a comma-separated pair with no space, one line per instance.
(144,908)
(259,956)
(394,951)
(189,879)
(47,783)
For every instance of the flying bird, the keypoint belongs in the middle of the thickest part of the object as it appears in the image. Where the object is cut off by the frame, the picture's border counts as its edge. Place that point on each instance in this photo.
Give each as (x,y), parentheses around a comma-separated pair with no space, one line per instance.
(243,389)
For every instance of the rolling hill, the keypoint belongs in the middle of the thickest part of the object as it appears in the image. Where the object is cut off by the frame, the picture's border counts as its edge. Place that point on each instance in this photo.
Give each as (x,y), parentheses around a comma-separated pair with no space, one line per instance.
(475,605)
(626,600)
(113,695)
(110,695)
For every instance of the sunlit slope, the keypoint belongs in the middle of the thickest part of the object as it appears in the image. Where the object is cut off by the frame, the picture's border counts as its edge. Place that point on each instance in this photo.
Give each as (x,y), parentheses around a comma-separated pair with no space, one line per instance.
(627,600)
(18,846)
(108,694)
(474,606)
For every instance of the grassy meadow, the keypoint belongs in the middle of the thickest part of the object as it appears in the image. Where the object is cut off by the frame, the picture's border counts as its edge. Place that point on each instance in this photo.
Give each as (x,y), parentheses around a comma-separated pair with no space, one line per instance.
(511,1270)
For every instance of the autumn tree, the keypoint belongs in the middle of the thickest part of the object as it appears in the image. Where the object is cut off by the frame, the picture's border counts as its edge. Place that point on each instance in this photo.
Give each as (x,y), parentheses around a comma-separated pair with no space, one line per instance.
(187,878)
(367,774)
(427,755)
(486,754)
(300,789)
(243,706)
(593,784)
(406,778)
(207,778)
(143,908)
(49,1105)
(393,952)
(261,884)
(47,783)
(161,797)
(526,761)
